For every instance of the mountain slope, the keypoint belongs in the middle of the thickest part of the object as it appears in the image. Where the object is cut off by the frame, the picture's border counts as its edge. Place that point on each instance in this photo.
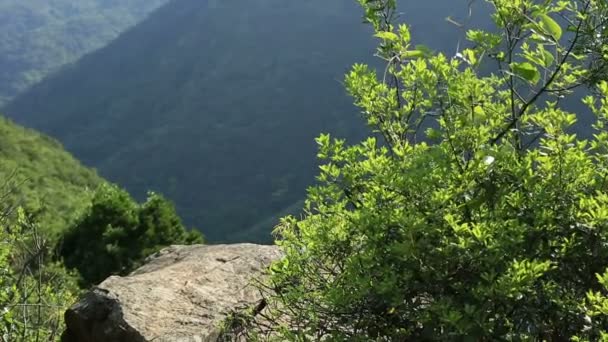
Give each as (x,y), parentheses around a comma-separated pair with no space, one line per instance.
(38,36)
(216,103)
(43,175)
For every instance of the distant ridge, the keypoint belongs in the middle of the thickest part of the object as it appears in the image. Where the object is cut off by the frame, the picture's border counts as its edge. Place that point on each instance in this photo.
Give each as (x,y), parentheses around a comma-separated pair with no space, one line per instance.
(39,36)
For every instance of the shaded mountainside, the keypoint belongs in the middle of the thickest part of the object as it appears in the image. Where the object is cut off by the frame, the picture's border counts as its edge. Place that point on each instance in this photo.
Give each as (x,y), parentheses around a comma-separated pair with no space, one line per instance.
(216,104)
(38,36)
(44,176)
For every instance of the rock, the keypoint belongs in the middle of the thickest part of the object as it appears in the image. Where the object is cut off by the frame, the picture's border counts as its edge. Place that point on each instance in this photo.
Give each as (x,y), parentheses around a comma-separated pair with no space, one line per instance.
(182,293)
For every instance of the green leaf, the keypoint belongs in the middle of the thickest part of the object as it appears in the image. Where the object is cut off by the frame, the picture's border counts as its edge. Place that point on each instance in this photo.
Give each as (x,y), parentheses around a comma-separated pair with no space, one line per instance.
(479,110)
(551,26)
(404,32)
(386,35)
(469,55)
(548,58)
(424,49)
(433,134)
(413,54)
(526,71)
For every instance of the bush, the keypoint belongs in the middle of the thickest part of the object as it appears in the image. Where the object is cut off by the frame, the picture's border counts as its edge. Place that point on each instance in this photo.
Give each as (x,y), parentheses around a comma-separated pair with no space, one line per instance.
(478,216)
(117,234)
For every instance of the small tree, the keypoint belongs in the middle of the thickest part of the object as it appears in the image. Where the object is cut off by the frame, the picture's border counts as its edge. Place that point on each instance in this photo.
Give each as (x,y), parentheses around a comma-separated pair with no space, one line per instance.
(116,234)
(478,216)
(160,226)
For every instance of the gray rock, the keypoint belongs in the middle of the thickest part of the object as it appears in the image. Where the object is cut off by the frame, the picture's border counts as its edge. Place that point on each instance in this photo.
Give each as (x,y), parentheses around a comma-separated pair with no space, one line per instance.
(182,293)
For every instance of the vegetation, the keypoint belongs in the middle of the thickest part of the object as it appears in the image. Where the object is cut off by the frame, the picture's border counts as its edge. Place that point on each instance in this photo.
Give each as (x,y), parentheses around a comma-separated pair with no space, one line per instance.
(216,104)
(99,223)
(39,36)
(472,212)
(491,224)
(116,234)
(34,293)
(45,178)
(45,191)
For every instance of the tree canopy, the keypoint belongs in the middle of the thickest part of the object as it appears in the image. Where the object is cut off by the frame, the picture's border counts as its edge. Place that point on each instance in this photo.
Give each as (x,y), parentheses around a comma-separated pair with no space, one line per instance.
(116,234)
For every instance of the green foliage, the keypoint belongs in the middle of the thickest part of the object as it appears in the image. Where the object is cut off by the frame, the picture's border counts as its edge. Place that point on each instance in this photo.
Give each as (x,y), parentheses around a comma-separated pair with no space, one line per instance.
(44,178)
(116,234)
(489,225)
(34,293)
(596,306)
(39,36)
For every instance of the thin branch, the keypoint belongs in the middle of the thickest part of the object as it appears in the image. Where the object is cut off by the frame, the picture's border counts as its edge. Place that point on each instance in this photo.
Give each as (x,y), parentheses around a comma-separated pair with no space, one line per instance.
(534,98)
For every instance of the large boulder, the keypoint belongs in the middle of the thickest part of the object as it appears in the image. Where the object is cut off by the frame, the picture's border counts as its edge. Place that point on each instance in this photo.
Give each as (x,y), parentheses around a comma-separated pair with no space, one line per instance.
(182,293)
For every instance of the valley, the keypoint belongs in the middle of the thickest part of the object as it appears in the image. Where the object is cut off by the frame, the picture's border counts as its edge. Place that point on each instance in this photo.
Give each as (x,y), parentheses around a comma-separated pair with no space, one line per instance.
(217,104)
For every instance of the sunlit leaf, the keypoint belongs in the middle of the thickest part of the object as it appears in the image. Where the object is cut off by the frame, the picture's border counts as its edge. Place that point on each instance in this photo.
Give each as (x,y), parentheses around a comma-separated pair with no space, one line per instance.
(526,71)
(386,35)
(548,58)
(551,26)
(413,54)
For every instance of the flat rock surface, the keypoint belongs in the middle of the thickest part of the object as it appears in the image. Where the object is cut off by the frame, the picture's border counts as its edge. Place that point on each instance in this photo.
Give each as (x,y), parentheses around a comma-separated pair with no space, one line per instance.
(182,293)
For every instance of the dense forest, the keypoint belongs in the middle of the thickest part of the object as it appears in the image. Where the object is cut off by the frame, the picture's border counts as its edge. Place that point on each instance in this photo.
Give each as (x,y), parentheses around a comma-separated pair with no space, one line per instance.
(216,104)
(39,36)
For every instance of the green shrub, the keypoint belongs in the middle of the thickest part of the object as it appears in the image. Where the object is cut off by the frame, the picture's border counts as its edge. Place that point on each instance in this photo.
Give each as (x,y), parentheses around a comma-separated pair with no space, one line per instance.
(116,234)
(478,216)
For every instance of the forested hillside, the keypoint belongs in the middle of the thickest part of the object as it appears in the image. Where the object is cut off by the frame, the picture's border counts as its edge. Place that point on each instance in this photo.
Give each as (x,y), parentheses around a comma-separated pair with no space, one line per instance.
(53,209)
(38,36)
(216,104)
(39,174)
